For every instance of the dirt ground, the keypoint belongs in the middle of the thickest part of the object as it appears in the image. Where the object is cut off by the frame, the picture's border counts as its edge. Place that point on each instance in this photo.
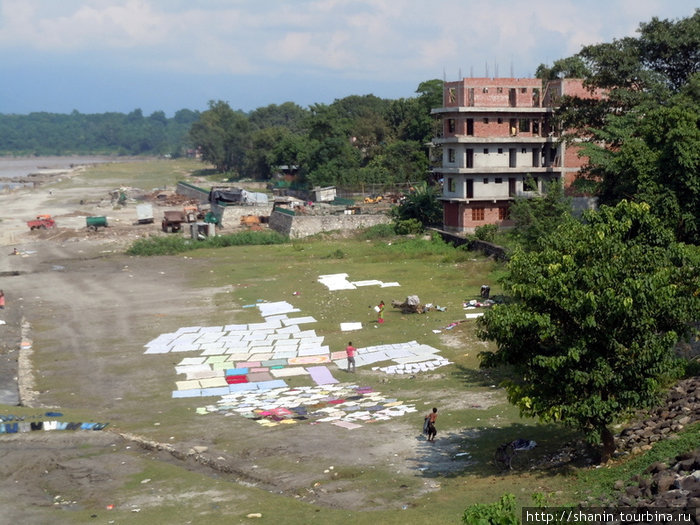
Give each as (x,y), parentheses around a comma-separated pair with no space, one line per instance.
(87,310)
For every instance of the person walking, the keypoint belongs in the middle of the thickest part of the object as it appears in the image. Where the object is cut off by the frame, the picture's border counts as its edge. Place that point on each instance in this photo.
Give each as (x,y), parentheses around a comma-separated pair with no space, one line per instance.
(380,312)
(350,351)
(430,420)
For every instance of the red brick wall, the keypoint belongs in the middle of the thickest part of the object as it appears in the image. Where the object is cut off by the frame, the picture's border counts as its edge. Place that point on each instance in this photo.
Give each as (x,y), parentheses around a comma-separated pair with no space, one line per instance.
(491,215)
(491,98)
(571,158)
(569,178)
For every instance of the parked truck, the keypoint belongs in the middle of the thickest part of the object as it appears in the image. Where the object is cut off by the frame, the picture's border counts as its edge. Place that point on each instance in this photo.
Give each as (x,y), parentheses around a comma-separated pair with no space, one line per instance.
(172,221)
(41,222)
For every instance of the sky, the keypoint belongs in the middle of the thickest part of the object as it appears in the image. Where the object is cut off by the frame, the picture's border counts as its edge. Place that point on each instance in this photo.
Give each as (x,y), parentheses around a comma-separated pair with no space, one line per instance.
(98,56)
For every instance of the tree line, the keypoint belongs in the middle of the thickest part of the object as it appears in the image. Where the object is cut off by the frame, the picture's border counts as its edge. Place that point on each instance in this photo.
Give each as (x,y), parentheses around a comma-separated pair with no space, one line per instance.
(360,139)
(43,133)
(353,141)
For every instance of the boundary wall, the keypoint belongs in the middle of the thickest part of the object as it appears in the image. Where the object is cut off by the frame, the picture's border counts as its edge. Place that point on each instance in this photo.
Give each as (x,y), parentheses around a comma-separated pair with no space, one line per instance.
(297,227)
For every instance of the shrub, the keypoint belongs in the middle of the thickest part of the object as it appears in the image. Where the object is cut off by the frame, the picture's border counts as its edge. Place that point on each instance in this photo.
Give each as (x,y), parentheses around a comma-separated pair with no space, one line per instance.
(172,245)
(501,512)
(408,227)
(487,232)
(378,231)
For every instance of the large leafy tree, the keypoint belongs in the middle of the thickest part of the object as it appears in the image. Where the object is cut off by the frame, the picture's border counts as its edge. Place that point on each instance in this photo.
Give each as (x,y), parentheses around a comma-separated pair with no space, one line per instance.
(402,161)
(644,136)
(571,67)
(222,136)
(287,115)
(595,315)
(260,160)
(536,217)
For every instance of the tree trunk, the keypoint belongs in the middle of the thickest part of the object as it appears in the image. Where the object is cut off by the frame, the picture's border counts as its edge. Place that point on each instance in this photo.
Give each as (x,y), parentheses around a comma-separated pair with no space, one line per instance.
(608,444)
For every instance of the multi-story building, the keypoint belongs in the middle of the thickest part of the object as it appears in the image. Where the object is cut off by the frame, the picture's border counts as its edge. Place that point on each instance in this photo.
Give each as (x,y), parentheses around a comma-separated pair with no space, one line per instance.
(499,142)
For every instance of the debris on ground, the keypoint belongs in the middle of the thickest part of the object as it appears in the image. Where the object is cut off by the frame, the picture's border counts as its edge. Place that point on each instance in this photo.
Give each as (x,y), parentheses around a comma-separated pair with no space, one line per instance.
(411,305)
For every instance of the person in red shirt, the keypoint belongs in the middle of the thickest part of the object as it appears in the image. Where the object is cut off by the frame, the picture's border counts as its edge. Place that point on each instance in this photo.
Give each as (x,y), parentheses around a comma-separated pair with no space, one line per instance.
(350,351)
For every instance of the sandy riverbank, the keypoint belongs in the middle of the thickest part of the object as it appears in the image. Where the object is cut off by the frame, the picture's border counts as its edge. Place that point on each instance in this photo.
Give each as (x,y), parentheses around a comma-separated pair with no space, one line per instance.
(38,195)
(69,205)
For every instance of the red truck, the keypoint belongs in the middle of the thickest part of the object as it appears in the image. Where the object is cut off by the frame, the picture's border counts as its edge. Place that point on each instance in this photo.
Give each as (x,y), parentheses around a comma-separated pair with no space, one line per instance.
(41,222)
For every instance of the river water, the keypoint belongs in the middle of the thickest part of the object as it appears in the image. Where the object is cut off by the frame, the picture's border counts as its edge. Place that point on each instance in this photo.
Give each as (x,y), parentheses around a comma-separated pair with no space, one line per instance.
(12,167)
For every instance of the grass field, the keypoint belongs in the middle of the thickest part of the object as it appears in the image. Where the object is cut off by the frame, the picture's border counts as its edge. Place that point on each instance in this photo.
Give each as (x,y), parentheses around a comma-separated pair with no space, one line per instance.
(439,274)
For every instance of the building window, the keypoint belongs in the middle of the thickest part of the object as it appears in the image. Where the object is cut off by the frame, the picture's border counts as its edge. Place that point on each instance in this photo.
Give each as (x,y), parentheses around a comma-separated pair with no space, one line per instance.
(450,184)
(523,90)
(485,90)
(451,155)
(503,213)
(486,151)
(498,180)
(499,90)
(486,180)
(500,120)
(477,214)
(452,95)
(500,150)
(486,120)
(524,150)
(524,125)
(451,125)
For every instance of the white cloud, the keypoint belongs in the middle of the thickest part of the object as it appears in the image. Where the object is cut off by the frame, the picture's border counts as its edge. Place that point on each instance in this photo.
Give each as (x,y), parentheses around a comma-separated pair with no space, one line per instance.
(363,37)
(127,24)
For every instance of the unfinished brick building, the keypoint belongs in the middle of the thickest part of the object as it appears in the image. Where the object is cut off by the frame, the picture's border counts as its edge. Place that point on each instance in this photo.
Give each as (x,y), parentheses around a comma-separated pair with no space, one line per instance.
(499,142)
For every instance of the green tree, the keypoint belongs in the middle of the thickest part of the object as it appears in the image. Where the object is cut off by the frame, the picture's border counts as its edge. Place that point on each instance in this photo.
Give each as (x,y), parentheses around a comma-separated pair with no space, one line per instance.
(291,150)
(221,135)
(287,115)
(656,160)
(402,161)
(537,217)
(410,118)
(595,315)
(260,159)
(571,67)
(421,204)
(642,138)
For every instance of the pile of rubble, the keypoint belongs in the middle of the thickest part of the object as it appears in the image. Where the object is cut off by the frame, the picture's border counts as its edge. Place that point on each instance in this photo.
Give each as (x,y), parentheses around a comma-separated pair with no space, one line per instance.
(681,409)
(674,485)
(663,485)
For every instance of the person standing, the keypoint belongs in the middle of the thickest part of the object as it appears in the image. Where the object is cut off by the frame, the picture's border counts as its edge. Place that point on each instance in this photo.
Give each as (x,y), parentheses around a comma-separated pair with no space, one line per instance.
(380,312)
(431,418)
(350,351)
(2,299)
